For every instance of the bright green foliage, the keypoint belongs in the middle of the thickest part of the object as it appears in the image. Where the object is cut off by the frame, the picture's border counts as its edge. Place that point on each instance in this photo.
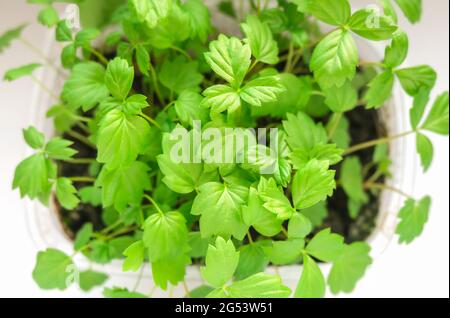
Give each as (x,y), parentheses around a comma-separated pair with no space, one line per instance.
(9,36)
(349,267)
(83,236)
(63,31)
(285,252)
(341,99)
(369,24)
(299,226)
(274,199)
(326,246)
(66,193)
(150,11)
(415,78)
(335,12)
(59,149)
(16,73)
(425,150)
(260,285)
(179,75)
(380,89)
(90,279)
(188,108)
(261,90)
(33,137)
(395,54)
(264,47)
(53,270)
(199,19)
(328,154)
(121,293)
(221,98)
(119,78)
(351,179)
(252,260)
(303,133)
(412,9)
(419,106)
(135,256)
(84,38)
(413,217)
(437,120)
(312,282)
(48,16)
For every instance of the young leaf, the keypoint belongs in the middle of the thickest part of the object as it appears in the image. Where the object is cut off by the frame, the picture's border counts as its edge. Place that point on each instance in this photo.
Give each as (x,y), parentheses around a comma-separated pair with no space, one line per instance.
(53,270)
(326,246)
(380,90)
(312,184)
(230,59)
(33,137)
(66,193)
(199,19)
(259,37)
(425,150)
(396,53)
(85,37)
(85,87)
(9,36)
(420,103)
(188,108)
(172,270)
(83,236)
(352,180)
(335,59)
(90,279)
(412,9)
(59,149)
(116,292)
(63,31)
(341,99)
(285,252)
(165,236)
(415,78)
(274,199)
(312,282)
(261,90)
(252,260)
(134,104)
(150,11)
(316,214)
(220,207)
(303,133)
(119,78)
(349,268)
(48,16)
(221,98)
(179,75)
(121,138)
(260,285)
(124,185)
(437,120)
(221,263)
(413,217)
(334,12)
(32,176)
(329,154)
(372,25)
(299,226)
(20,72)
(143,59)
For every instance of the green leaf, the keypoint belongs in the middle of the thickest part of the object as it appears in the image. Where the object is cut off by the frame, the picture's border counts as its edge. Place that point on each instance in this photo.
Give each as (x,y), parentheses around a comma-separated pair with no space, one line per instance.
(66,193)
(285,252)
(420,103)
(48,16)
(230,59)
(9,36)
(179,75)
(274,199)
(323,153)
(165,236)
(412,9)
(254,214)
(415,78)
(437,120)
(326,246)
(252,260)
(341,99)
(172,270)
(59,149)
(299,226)
(16,73)
(33,137)
(312,184)
(188,108)
(134,104)
(135,257)
(150,12)
(85,37)
(312,282)
(380,90)
(335,59)
(121,138)
(69,55)
(316,214)
(83,236)
(261,90)
(199,19)
(341,136)
(425,150)
(396,53)
(117,292)
(260,285)
(372,25)
(143,59)
(119,78)
(413,217)
(201,291)
(53,270)
(259,37)
(334,12)
(90,279)
(351,179)
(220,207)
(303,133)
(221,263)
(124,185)
(63,31)
(85,87)
(221,98)
(349,268)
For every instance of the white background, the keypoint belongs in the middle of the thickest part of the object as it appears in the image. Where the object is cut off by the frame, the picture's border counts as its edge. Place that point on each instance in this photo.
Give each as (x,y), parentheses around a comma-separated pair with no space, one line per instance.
(417,270)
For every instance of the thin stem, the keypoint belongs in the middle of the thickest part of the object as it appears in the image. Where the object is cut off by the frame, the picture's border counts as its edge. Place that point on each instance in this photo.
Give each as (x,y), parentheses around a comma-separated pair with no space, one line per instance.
(80,161)
(368,63)
(138,280)
(255,62)
(284,231)
(250,239)
(258,7)
(336,119)
(378,186)
(186,289)
(81,138)
(150,120)
(168,106)
(288,67)
(155,82)
(183,52)
(373,143)
(154,204)
(44,88)
(41,54)
(82,179)
(83,127)
(98,55)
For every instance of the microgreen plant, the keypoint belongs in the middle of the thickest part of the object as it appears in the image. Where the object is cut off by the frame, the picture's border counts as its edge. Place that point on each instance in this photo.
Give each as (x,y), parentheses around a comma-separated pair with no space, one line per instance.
(142,73)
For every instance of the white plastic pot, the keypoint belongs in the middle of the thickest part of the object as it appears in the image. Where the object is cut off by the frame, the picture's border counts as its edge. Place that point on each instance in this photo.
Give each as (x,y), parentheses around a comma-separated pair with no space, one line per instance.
(46,230)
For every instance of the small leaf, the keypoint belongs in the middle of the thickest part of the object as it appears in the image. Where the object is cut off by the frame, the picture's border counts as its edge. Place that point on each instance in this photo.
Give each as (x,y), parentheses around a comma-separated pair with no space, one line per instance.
(285,252)
(135,257)
(420,103)
(119,78)
(380,90)
(334,12)
(86,36)
(63,31)
(413,217)
(274,199)
(312,282)
(415,78)
(351,179)
(150,12)
(437,120)
(143,59)
(188,108)
(16,73)
(299,226)
(303,133)
(83,236)
(372,25)
(53,270)
(316,214)
(326,246)
(259,37)
(9,36)
(179,75)
(260,285)
(252,260)
(221,98)
(425,150)
(33,137)
(199,19)
(90,279)
(48,16)
(341,99)
(329,154)
(396,53)
(412,9)
(59,149)
(66,193)
(261,90)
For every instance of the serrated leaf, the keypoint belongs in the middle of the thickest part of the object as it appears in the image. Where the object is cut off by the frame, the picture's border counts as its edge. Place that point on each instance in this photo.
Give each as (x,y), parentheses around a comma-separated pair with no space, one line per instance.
(66,193)
(199,19)
(302,132)
(326,246)
(261,90)
(172,270)
(53,270)
(221,98)
(16,73)
(150,12)
(260,285)
(312,282)
(299,226)
(413,217)
(33,137)
(259,36)
(9,36)
(420,103)
(415,78)
(188,108)
(285,252)
(119,78)
(274,199)
(334,12)
(380,90)
(341,99)
(425,150)
(90,279)
(328,153)
(134,257)
(221,262)
(437,120)
(372,25)
(59,149)
(412,9)
(396,53)
(179,75)
(252,260)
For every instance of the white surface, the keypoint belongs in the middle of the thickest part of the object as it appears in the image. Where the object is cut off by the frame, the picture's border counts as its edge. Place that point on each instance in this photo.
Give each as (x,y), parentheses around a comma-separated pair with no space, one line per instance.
(418,270)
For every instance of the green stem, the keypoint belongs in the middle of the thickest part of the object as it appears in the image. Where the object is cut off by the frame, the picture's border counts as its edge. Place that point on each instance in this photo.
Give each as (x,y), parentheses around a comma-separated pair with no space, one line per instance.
(378,186)
(149,198)
(81,138)
(41,54)
(336,119)
(373,143)
(80,161)
(155,82)
(186,289)
(368,63)
(183,52)
(82,179)
(288,67)
(150,120)
(83,127)
(44,88)
(98,55)
(250,239)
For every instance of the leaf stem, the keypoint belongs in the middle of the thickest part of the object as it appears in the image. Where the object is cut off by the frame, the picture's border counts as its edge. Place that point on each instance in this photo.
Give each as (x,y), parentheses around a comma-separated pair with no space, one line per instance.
(373,143)
(186,289)
(183,52)
(82,179)
(288,67)
(250,239)
(336,119)
(81,138)
(41,54)
(155,81)
(80,161)
(150,120)
(44,88)
(149,198)
(98,55)
(379,186)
